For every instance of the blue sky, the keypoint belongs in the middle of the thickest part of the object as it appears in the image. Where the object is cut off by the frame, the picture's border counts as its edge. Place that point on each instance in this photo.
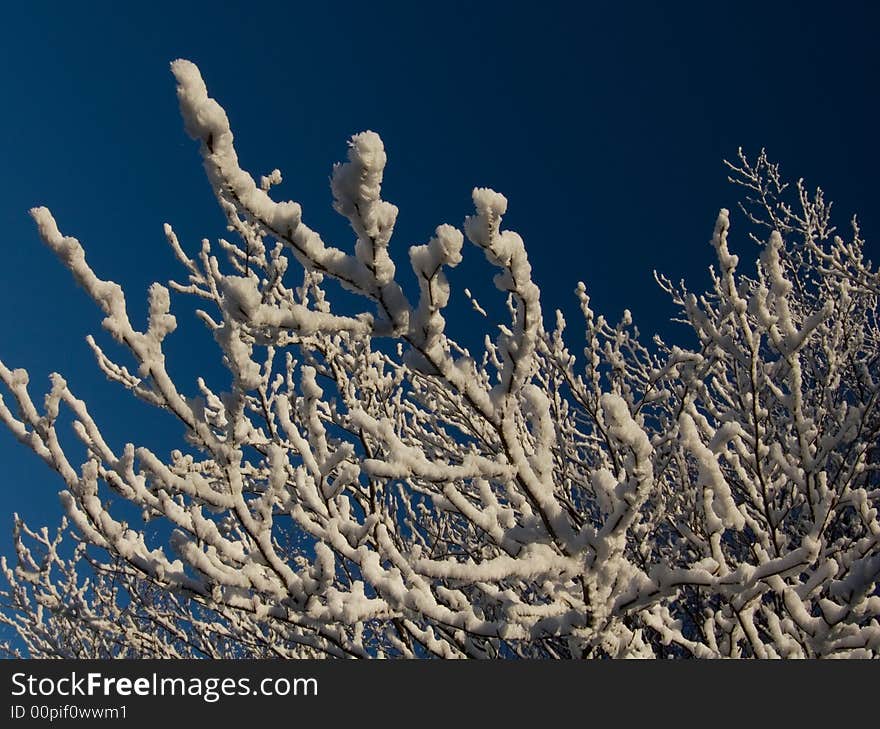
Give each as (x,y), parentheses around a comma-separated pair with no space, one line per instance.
(605,124)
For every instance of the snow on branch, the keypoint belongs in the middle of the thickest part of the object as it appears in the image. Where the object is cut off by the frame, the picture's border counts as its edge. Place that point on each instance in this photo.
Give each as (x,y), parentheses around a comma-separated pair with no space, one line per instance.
(365,486)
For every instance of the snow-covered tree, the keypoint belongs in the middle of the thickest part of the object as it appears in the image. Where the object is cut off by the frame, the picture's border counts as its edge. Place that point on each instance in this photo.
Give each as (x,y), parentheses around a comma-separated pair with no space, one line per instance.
(367,486)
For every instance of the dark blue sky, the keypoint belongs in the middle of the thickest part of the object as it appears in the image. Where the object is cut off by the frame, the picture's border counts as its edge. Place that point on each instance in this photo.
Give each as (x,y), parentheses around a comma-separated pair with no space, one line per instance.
(605,124)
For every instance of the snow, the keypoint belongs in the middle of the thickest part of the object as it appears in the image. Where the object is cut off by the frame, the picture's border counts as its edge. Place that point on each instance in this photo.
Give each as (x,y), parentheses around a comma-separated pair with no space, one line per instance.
(364,485)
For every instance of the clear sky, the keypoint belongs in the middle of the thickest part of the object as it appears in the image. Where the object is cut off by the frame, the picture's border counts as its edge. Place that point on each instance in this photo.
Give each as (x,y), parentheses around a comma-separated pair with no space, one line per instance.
(605,124)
